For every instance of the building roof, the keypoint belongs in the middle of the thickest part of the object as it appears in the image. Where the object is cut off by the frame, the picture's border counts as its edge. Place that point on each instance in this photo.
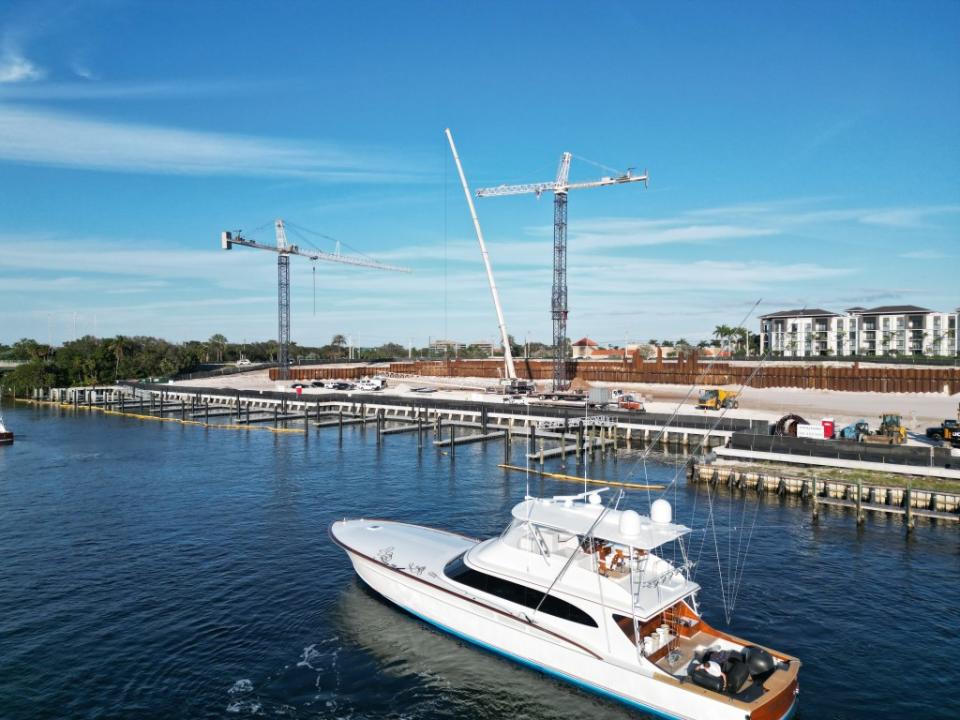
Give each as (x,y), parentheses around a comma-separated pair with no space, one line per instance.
(803,312)
(585,342)
(893,310)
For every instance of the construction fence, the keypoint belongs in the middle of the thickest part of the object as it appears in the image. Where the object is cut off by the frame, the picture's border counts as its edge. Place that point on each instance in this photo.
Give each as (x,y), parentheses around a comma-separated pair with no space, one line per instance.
(682,371)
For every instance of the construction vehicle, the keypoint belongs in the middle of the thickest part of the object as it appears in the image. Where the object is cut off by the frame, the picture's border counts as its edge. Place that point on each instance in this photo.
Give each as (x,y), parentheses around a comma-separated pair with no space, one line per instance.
(855,431)
(715,398)
(629,401)
(890,432)
(948,430)
(603,397)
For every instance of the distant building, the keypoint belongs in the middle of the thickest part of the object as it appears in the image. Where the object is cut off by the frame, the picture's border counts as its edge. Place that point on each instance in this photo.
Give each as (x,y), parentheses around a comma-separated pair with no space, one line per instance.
(584,348)
(448,345)
(886,330)
(483,346)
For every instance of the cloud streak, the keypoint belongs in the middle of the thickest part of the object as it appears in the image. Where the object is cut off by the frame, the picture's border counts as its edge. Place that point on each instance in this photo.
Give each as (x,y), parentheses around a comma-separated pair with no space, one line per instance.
(15,68)
(47,137)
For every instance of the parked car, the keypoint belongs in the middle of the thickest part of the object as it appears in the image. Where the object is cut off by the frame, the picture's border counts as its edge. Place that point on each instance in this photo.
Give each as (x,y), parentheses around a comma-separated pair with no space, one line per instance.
(318,383)
(341,385)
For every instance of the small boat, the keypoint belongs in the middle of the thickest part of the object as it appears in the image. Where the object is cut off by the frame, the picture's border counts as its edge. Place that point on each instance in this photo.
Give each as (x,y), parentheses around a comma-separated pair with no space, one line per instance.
(6,436)
(584,592)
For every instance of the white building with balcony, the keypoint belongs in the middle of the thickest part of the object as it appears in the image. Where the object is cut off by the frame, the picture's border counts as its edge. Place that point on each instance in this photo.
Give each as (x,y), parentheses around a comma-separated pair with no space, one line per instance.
(887,330)
(800,333)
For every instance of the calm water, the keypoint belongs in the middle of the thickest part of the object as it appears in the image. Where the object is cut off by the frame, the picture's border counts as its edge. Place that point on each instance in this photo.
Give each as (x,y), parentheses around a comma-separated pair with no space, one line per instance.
(155,570)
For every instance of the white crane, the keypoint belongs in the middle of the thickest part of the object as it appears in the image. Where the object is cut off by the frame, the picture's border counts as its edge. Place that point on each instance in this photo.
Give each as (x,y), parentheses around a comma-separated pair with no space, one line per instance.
(284,250)
(560,187)
(504,337)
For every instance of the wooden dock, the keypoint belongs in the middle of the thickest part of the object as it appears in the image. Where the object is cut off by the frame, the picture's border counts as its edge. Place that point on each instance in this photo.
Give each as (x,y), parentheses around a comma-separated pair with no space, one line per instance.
(873,507)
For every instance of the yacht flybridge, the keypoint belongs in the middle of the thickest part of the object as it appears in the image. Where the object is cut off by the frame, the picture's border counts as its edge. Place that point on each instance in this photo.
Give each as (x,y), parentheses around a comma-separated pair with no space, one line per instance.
(583,591)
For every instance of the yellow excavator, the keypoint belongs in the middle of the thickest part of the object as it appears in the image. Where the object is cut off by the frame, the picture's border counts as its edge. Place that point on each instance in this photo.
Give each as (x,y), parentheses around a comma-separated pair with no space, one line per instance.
(715,398)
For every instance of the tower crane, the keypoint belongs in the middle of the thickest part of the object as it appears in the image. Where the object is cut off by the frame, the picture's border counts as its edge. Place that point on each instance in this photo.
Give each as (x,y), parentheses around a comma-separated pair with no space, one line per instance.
(558,305)
(284,250)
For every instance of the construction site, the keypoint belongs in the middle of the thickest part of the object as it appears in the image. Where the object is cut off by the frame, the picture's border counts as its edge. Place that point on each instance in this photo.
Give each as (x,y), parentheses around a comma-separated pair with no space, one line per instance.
(849,419)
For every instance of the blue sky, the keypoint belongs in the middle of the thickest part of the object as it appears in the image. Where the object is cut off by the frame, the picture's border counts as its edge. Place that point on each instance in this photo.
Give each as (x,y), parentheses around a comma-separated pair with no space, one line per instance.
(799,153)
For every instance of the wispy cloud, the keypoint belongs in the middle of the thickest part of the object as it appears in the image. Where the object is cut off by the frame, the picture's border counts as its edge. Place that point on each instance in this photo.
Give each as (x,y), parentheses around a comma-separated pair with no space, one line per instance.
(15,68)
(787,215)
(906,217)
(628,232)
(50,137)
(923,255)
(90,87)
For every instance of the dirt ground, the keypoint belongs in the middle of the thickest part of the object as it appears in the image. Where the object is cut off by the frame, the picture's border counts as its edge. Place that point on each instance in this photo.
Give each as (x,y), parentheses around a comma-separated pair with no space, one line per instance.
(919,410)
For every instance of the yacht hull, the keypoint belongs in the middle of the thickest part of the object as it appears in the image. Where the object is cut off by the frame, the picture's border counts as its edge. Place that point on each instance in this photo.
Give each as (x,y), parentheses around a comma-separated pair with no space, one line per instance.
(419,588)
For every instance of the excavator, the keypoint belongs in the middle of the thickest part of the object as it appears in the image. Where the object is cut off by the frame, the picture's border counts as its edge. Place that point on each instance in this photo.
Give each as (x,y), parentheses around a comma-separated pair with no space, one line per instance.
(714,399)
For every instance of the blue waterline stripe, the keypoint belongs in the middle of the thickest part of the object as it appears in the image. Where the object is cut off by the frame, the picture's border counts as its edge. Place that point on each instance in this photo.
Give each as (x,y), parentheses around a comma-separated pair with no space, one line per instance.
(554,673)
(561,676)
(540,668)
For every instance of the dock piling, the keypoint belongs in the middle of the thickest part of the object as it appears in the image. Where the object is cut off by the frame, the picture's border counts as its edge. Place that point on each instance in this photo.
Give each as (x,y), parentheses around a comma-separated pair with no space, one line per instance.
(908,501)
(813,494)
(860,517)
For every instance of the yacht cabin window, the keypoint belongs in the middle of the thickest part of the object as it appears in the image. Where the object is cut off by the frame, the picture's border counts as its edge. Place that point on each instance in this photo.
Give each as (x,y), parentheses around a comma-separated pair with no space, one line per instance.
(513,592)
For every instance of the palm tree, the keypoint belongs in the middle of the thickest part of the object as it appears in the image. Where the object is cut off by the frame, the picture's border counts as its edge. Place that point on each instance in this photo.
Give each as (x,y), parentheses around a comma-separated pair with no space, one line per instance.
(117,346)
(218,342)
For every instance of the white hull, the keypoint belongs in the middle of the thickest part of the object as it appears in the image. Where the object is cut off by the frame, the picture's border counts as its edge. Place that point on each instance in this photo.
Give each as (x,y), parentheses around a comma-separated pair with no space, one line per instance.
(536,647)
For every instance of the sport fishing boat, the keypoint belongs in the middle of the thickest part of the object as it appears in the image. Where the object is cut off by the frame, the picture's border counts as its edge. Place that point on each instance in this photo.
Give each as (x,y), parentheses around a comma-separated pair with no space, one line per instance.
(6,436)
(582,591)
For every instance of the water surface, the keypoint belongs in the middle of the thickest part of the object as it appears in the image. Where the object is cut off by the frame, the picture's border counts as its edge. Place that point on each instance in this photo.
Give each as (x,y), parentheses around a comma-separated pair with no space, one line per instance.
(157,570)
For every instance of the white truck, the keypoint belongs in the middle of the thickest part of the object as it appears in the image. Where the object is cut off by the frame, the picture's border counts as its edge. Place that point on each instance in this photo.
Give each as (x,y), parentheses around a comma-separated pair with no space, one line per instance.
(603,397)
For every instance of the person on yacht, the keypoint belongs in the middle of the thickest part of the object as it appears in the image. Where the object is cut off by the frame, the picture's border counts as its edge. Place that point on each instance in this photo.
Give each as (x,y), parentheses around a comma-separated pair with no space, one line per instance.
(715,670)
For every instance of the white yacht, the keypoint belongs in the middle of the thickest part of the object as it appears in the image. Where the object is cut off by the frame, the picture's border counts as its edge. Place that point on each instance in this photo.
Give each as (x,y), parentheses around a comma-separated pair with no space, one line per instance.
(6,436)
(582,591)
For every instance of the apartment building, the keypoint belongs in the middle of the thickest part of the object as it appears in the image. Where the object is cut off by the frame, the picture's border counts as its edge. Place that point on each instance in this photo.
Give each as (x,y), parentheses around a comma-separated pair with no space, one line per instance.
(886,330)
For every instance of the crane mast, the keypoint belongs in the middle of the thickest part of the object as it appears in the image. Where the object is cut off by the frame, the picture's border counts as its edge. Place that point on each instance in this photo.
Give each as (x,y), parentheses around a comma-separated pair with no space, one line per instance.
(283,301)
(558,298)
(284,250)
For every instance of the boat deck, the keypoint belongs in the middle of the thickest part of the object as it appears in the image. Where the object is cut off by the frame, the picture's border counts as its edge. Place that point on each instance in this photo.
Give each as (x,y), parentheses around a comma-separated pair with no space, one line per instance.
(685,650)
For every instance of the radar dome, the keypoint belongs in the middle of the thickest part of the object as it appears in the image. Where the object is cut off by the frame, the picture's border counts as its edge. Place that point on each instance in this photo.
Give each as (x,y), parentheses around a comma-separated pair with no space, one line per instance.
(630,522)
(661,512)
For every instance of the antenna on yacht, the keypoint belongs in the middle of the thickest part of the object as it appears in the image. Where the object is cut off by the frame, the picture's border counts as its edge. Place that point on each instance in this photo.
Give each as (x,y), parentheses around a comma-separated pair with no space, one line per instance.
(527,454)
(586,455)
